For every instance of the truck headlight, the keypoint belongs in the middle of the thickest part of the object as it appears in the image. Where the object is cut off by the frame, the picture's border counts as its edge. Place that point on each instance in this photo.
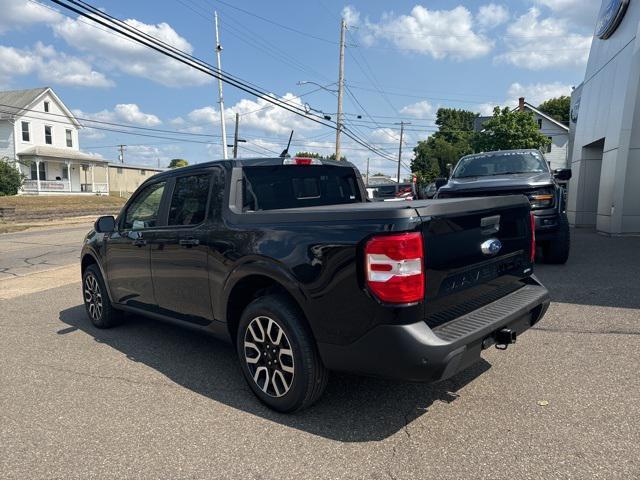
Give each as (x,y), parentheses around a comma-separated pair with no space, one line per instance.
(541,198)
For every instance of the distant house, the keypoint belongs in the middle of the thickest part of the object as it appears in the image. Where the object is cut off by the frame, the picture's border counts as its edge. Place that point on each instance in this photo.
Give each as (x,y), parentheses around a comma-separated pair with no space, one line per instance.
(124,179)
(557,154)
(39,135)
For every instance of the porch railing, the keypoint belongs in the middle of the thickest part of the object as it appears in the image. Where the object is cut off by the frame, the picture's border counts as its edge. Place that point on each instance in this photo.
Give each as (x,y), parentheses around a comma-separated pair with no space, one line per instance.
(95,188)
(46,185)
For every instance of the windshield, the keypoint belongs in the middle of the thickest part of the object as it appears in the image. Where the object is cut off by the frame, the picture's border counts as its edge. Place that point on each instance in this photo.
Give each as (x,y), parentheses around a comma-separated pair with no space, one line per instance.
(500,163)
(291,186)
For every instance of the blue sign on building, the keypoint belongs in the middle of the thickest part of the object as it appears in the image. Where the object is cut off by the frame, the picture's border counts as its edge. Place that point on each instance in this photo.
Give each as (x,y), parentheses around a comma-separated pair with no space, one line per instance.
(611,14)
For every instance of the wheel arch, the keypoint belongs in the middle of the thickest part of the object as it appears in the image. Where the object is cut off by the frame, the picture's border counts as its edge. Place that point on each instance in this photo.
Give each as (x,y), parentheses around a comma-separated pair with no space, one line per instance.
(251,282)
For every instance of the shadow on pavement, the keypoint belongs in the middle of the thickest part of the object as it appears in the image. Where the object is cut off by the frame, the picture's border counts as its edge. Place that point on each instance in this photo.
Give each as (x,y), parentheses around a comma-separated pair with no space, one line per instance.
(601,271)
(353,409)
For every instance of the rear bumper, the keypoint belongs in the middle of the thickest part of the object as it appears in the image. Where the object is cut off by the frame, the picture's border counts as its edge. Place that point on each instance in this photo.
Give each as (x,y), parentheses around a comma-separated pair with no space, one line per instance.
(415,352)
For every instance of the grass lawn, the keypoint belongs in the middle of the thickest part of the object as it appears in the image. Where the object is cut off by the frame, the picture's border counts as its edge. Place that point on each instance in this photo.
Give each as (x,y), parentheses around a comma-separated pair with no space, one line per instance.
(60,203)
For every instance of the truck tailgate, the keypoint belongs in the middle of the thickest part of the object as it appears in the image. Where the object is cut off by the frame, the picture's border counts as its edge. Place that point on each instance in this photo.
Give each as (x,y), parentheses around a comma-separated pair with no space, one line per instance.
(460,276)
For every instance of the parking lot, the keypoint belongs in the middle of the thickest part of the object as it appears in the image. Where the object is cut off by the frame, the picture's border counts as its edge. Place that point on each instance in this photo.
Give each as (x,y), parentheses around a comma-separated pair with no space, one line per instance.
(151,400)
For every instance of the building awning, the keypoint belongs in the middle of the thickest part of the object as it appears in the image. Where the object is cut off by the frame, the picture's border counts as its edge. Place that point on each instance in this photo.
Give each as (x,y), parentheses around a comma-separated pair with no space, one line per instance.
(60,154)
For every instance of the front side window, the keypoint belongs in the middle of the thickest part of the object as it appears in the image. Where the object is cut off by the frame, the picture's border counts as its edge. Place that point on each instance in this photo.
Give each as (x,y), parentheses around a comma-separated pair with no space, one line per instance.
(143,211)
(46,107)
(48,134)
(189,201)
(69,138)
(65,172)
(26,134)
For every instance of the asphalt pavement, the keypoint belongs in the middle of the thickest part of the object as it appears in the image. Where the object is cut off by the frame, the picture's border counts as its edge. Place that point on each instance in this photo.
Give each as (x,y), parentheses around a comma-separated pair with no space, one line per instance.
(152,400)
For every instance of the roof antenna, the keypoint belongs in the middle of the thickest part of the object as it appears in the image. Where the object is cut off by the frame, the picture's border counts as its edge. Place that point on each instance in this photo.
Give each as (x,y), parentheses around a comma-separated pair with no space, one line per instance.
(285,152)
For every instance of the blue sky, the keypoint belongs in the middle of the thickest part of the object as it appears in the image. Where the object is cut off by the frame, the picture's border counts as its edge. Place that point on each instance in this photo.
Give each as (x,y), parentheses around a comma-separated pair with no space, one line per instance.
(404,59)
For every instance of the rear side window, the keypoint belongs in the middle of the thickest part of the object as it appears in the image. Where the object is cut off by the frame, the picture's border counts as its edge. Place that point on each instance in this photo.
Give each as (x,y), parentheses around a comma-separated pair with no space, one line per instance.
(292,186)
(189,200)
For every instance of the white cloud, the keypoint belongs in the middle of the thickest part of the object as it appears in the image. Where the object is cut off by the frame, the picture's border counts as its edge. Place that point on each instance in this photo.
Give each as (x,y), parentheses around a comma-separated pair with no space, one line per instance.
(22,13)
(537,93)
(492,15)
(438,33)
(50,66)
(581,12)
(351,16)
(129,113)
(538,43)
(259,114)
(130,57)
(422,109)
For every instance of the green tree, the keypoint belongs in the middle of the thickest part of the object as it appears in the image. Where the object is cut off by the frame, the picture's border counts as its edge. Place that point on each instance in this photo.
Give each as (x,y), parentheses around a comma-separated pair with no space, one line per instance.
(10,178)
(558,108)
(178,162)
(508,130)
(445,147)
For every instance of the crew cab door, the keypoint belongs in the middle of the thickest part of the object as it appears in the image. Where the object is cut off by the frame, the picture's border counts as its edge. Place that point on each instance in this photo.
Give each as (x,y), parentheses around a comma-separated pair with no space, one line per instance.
(127,249)
(179,251)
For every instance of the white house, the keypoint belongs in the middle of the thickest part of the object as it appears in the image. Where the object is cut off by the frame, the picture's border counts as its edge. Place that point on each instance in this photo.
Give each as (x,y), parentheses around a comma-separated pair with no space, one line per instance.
(557,153)
(39,135)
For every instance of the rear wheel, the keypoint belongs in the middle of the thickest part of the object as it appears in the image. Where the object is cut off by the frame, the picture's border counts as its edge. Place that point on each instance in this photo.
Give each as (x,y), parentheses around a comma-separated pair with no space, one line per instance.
(96,299)
(557,250)
(278,355)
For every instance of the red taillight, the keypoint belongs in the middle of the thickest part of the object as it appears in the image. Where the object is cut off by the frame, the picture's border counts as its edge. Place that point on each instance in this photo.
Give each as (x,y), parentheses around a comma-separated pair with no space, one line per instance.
(533,237)
(395,267)
(302,161)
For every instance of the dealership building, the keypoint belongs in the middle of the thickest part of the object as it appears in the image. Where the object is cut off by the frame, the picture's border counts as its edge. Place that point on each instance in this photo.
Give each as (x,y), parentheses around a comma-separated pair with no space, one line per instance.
(605,126)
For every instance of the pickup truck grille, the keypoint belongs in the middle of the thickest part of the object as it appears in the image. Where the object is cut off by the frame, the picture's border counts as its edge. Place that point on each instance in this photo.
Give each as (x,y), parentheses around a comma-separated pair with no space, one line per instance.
(481,193)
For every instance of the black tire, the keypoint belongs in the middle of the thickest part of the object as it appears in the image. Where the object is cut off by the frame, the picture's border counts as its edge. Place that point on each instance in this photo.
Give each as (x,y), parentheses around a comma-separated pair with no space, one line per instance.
(285,382)
(557,250)
(96,300)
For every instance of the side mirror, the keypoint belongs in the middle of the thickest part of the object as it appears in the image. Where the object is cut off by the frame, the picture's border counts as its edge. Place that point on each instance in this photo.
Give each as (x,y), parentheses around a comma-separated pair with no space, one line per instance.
(441,182)
(563,174)
(106,224)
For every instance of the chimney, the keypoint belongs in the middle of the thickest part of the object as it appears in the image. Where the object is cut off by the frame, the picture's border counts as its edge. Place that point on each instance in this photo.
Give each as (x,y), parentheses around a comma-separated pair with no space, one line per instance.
(521,104)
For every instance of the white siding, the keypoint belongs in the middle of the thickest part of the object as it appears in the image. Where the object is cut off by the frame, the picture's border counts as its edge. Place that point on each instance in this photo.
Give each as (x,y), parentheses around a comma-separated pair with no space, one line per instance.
(6,139)
(37,119)
(559,143)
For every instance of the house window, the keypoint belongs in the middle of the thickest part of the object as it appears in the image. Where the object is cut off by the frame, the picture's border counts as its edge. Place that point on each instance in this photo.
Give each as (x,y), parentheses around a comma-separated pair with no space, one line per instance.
(540,123)
(48,134)
(65,172)
(548,147)
(143,172)
(46,107)
(69,138)
(26,136)
(119,170)
(34,174)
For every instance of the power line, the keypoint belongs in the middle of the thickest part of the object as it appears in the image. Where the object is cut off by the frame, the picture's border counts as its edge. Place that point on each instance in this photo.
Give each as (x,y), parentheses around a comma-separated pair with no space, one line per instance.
(81,8)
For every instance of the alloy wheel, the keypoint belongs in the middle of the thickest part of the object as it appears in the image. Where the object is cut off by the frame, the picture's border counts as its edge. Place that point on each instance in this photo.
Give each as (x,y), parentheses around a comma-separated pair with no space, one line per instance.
(93,297)
(269,356)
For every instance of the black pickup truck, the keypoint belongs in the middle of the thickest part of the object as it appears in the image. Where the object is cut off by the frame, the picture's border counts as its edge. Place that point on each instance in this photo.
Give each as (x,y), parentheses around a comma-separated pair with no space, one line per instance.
(288,260)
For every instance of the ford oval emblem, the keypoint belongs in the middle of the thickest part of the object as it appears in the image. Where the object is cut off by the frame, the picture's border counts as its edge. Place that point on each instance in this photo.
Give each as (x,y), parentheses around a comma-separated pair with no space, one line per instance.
(491,246)
(610,16)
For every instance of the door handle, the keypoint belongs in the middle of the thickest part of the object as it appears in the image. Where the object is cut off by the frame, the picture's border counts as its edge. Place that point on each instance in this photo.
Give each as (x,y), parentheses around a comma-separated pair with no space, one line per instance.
(140,242)
(189,242)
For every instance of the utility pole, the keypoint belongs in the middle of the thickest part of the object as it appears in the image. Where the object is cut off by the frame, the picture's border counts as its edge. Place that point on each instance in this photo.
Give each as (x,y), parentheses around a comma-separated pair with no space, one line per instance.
(121,154)
(367,184)
(221,101)
(402,124)
(235,137)
(343,27)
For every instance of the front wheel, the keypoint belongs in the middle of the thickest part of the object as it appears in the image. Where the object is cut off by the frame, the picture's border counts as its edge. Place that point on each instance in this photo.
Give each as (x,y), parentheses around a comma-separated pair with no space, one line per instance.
(557,250)
(278,355)
(96,299)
